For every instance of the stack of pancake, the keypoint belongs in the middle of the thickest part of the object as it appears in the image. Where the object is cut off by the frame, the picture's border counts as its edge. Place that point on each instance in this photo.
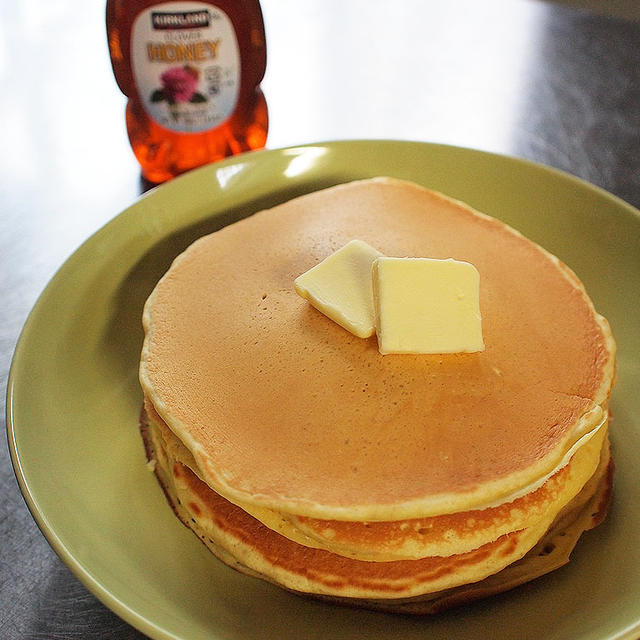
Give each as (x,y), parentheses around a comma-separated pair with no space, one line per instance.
(299,454)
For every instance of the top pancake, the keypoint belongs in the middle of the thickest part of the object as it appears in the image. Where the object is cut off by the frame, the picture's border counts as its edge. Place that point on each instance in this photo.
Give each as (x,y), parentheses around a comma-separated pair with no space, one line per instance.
(282,408)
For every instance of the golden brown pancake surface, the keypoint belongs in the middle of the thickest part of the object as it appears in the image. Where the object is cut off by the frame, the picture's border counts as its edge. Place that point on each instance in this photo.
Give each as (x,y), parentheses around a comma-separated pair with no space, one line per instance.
(283,408)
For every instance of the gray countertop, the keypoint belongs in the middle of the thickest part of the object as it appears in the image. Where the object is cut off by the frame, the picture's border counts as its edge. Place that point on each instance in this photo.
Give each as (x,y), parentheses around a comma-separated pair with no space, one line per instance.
(524,78)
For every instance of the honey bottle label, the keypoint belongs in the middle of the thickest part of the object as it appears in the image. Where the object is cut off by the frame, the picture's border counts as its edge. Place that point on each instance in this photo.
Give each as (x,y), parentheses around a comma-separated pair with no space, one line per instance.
(186,65)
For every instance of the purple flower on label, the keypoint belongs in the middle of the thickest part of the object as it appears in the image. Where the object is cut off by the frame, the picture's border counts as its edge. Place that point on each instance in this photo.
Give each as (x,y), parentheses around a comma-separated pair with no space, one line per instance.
(179,84)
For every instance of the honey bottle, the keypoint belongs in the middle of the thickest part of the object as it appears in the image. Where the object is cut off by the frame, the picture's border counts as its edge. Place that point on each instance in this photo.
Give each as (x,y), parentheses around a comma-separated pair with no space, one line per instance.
(191,71)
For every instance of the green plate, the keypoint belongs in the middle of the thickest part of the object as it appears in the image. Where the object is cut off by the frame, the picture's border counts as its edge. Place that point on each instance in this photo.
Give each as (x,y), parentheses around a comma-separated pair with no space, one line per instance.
(73,404)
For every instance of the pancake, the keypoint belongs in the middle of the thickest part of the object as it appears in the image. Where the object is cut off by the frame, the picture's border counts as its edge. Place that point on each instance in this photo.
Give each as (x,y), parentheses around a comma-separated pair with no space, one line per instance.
(301,455)
(443,535)
(282,408)
(429,585)
(455,533)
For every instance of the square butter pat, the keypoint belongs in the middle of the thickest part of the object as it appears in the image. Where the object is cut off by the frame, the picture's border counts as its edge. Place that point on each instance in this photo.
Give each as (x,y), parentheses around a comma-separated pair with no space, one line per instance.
(340,287)
(425,305)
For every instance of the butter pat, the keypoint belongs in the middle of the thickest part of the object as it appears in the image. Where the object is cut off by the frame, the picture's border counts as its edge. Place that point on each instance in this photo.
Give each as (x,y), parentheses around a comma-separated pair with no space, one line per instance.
(340,287)
(424,305)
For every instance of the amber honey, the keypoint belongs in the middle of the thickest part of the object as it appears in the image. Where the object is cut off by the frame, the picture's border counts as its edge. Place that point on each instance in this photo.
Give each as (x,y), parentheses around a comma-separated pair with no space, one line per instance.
(192,73)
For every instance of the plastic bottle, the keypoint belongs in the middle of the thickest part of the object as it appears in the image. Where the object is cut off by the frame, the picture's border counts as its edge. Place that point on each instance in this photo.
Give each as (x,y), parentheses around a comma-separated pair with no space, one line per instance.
(191,71)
